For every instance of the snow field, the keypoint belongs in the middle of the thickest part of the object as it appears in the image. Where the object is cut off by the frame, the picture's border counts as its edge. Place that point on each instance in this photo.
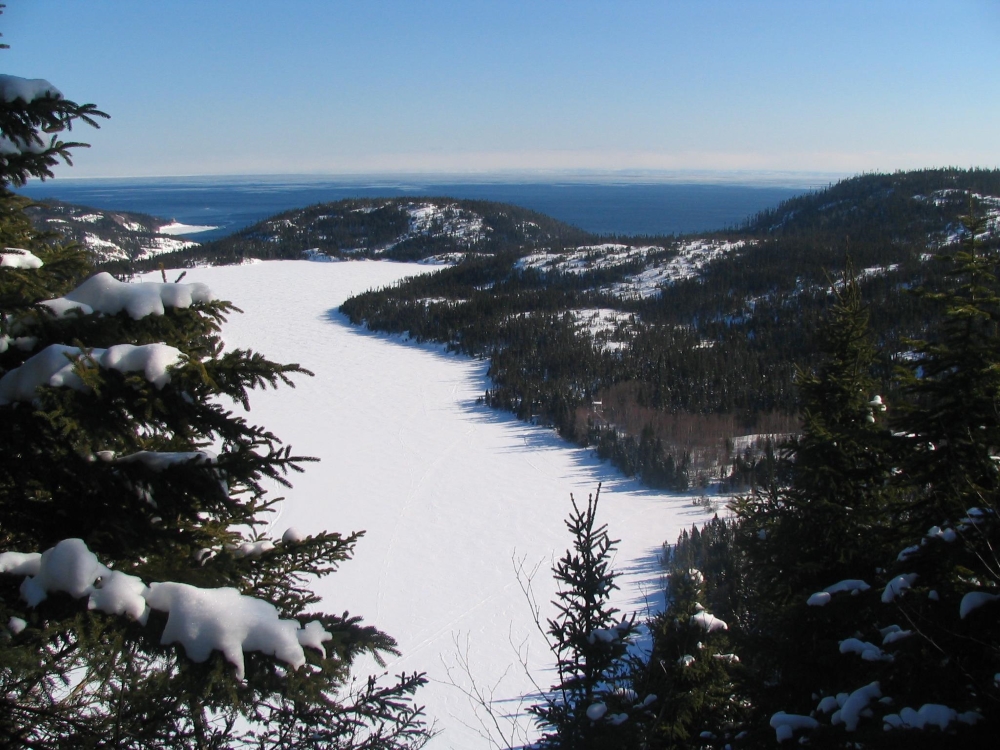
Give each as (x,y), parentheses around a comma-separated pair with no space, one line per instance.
(452,495)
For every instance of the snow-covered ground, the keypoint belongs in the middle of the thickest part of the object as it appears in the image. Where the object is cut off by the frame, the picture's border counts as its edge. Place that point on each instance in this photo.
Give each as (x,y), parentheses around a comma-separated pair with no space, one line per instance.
(176,227)
(452,494)
(691,257)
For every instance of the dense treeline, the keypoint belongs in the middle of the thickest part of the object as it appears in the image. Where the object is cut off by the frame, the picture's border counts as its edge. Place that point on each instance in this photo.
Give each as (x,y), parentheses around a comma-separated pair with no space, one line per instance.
(852,598)
(724,342)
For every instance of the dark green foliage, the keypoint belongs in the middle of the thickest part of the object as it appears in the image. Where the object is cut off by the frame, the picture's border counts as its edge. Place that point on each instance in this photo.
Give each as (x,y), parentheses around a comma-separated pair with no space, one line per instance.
(590,644)
(830,521)
(694,672)
(952,387)
(75,468)
(912,512)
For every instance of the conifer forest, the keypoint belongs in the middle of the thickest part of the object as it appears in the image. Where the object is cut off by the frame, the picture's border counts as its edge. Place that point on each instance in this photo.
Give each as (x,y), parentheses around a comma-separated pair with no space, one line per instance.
(848,596)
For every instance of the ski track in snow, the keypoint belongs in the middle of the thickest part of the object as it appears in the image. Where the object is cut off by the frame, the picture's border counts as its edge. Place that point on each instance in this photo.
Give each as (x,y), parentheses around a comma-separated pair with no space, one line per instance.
(450,493)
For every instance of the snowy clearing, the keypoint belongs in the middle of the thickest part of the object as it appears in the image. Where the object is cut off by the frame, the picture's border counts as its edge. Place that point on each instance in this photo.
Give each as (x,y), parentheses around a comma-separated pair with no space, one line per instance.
(451,493)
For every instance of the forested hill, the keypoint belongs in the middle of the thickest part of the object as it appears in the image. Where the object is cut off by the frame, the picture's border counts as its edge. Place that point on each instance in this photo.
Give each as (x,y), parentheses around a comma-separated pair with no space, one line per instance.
(116,238)
(908,206)
(663,353)
(443,229)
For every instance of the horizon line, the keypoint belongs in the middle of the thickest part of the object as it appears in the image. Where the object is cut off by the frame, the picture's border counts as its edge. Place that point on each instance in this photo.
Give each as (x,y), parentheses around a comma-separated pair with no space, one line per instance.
(748,177)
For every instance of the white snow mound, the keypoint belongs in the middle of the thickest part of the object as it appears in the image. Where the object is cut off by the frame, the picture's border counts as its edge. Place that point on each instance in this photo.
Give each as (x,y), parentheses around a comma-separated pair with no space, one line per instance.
(201,620)
(53,366)
(709,622)
(13,257)
(13,88)
(103,293)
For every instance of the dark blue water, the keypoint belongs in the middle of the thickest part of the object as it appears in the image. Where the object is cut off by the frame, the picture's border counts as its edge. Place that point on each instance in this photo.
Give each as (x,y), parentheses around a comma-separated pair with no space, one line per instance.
(233,203)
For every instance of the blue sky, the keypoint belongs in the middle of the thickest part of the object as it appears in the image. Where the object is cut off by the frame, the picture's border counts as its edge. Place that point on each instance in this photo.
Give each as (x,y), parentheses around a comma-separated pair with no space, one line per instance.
(319,86)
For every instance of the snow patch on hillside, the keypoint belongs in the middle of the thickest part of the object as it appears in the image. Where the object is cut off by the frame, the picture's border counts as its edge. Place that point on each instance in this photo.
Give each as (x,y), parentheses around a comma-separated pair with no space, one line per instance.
(656,271)
(160,245)
(586,258)
(176,227)
(690,259)
(610,329)
(450,221)
(105,247)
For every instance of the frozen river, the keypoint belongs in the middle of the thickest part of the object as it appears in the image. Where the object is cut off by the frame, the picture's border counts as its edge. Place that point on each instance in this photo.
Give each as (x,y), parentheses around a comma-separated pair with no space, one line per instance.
(451,494)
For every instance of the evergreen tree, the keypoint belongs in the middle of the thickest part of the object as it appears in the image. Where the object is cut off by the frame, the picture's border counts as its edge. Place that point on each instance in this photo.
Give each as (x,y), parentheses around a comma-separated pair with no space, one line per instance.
(140,603)
(951,420)
(829,524)
(593,704)
(692,669)
(919,649)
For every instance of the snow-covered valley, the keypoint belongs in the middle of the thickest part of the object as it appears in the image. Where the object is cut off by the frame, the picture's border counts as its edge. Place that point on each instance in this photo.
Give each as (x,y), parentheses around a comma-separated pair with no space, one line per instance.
(453,495)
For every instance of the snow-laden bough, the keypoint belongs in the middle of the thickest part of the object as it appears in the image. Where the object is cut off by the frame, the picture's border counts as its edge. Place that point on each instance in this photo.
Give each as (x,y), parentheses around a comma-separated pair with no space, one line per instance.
(202,620)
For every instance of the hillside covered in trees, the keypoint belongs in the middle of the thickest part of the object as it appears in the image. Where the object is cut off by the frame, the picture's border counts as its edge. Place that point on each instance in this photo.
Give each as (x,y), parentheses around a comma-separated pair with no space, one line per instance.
(851,598)
(115,239)
(661,352)
(664,353)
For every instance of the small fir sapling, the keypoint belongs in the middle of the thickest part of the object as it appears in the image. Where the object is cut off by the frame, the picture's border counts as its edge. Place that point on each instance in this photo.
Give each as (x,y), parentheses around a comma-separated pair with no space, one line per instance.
(592,705)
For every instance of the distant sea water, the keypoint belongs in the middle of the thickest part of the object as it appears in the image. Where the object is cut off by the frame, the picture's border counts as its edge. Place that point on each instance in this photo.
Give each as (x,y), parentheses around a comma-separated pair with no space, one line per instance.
(231,203)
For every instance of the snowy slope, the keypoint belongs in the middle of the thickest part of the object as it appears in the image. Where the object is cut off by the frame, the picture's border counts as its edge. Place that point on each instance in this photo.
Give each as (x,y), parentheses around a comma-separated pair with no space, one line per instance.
(113,235)
(449,492)
(660,266)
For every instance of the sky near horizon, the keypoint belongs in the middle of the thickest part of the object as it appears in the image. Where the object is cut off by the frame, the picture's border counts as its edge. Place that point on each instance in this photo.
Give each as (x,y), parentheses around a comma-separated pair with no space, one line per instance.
(198,87)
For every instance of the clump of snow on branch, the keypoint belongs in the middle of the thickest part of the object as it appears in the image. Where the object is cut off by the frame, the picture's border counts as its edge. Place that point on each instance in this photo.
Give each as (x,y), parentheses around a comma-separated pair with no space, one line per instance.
(54,365)
(24,343)
(20,563)
(158,461)
(27,90)
(253,549)
(928,715)
(292,535)
(103,293)
(856,705)
(13,257)
(610,635)
(15,625)
(204,620)
(973,601)
(821,598)
(893,633)
(945,535)
(897,586)
(709,622)
(596,711)
(785,725)
(867,651)
(200,620)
